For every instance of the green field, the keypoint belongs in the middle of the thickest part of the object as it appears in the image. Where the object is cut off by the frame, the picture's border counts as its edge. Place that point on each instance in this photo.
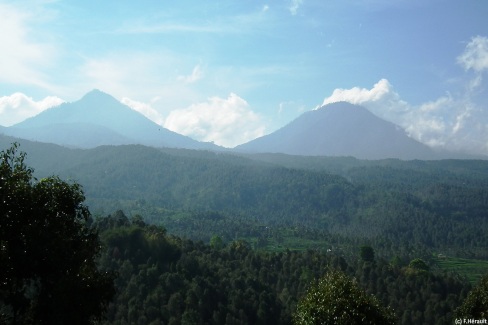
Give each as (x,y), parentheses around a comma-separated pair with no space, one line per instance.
(472,269)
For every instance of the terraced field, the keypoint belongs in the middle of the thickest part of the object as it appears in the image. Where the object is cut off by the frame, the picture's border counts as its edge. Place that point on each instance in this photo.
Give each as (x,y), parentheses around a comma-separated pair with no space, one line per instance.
(472,269)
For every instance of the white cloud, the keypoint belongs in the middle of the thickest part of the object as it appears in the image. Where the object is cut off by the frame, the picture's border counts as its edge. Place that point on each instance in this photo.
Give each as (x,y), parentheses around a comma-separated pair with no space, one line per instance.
(456,123)
(295,4)
(21,57)
(145,109)
(196,75)
(475,56)
(358,95)
(381,99)
(17,107)
(227,122)
(447,122)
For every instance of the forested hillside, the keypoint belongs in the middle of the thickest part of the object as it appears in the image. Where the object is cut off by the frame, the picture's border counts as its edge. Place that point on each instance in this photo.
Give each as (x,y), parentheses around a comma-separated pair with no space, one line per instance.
(399,206)
(213,238)
(168,280)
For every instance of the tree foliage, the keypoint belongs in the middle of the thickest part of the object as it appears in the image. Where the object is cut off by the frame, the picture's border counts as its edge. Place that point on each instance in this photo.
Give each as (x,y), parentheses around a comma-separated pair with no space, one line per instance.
(48,271)
(475,306)
(216,242)
(337,299)
(366,253)
(323,209)
(418,264)
(168,279)
(437,205)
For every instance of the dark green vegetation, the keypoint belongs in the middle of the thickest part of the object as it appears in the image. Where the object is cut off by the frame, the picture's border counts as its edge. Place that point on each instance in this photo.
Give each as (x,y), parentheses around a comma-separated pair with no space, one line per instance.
(336,299)
(471,268)
(394,206)
(48,270)
(475,306)
(275,222)
(168,280)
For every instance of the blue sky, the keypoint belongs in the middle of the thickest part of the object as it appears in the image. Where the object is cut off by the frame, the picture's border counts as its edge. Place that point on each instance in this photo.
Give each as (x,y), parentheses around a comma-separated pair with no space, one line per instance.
(229,71)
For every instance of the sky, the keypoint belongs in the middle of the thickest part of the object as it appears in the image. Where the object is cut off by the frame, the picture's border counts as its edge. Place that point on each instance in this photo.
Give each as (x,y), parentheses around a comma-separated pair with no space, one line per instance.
(230,71)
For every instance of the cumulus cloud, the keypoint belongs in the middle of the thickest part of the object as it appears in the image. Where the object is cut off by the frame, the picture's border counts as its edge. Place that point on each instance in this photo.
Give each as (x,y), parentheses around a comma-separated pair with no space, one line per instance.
(145,109)
(447,122)
(382,99)
(358,95)
(17,107)
(452,122)
(225,121)
(475,56)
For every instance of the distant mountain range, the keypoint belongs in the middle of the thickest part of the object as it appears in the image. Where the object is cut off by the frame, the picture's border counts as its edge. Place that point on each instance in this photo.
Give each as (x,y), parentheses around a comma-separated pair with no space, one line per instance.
(99,119)
(338,129)
(342,129)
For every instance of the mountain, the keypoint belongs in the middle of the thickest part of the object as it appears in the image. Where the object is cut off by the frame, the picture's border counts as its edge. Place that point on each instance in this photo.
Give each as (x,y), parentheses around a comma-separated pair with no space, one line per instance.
(341,129)
(99,119)
(431,203)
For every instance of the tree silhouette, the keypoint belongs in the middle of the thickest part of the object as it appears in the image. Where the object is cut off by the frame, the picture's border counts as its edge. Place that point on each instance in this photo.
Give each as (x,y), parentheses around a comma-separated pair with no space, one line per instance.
(48,272)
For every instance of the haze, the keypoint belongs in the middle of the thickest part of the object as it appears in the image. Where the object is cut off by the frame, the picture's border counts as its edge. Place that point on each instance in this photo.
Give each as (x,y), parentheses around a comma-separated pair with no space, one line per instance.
(230,72)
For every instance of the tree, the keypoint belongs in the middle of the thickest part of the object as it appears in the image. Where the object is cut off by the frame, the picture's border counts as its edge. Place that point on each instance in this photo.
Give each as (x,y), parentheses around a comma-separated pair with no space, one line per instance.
(417,266)
(366,253)
(476,303)
(216,242)
(337,299)
(48,271)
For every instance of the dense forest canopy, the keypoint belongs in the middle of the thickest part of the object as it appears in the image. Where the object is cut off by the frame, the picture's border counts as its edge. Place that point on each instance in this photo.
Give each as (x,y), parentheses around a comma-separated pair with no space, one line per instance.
(213,238)
(438,206)
(48,250)
(165,279)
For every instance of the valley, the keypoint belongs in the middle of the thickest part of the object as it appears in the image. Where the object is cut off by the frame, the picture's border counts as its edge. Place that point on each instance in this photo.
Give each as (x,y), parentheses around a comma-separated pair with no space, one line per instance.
(273,220)
(243,162)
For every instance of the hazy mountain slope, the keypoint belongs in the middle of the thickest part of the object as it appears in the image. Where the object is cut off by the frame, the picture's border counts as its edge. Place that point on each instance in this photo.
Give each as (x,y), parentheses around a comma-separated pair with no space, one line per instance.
(341,129)
(414,201)
(82,135)
(99,119)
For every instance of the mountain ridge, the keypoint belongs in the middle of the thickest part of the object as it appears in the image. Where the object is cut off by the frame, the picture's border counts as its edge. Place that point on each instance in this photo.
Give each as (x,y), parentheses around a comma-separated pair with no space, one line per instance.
(99,119)
(337,129)
(341,129)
